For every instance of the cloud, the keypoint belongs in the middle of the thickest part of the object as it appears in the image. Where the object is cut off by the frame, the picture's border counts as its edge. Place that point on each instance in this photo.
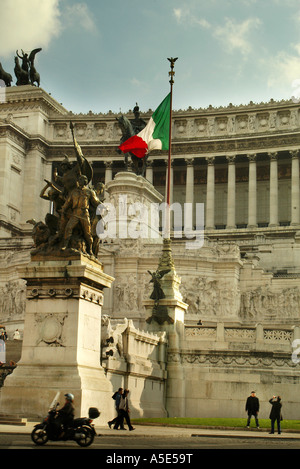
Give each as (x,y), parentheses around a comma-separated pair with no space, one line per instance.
(28,24)
(79,14)
(135,82)
(283,71)
(184,15)
(236,36)
(178,13)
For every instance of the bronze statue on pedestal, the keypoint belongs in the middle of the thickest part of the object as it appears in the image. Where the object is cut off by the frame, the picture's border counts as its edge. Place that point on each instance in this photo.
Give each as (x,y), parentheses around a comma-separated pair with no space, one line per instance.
(71,226)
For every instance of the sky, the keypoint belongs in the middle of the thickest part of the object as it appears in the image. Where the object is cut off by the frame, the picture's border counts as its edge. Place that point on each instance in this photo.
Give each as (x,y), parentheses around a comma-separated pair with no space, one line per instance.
(108,55)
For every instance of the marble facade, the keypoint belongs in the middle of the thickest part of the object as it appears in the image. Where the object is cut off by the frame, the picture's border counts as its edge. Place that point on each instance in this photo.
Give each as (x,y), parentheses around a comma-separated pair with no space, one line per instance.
(243,283)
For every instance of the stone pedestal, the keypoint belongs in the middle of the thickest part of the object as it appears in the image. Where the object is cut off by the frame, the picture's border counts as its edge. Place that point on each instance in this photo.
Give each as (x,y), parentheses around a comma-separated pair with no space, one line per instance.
(167,314)
(134,211)
(169,310)
(62,337)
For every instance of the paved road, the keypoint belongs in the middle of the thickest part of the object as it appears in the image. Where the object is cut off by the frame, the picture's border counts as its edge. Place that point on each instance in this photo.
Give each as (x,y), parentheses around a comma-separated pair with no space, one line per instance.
(184,444)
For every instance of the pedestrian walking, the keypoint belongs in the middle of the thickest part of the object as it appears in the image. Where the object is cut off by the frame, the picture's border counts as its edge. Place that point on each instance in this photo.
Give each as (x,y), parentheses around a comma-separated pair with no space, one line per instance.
(275,414)
(117,397)
(124,411)
(252,408)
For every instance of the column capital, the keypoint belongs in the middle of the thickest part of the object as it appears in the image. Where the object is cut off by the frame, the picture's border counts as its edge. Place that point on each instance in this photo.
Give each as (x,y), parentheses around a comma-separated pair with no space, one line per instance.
(108,164)
(210,160)
(231,159)
(252,158)
(294,153)
(273,155)
(189,161)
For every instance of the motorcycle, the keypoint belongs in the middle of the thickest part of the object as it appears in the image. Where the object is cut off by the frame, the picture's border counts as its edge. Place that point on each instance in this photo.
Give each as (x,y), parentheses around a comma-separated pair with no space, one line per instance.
(81,430)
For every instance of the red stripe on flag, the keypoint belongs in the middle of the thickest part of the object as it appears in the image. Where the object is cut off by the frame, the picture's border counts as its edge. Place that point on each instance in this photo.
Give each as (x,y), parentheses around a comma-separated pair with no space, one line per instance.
(135,145)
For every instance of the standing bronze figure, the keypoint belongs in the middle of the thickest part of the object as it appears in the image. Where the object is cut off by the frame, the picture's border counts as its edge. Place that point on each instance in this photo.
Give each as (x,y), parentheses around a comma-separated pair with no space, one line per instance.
(71,226)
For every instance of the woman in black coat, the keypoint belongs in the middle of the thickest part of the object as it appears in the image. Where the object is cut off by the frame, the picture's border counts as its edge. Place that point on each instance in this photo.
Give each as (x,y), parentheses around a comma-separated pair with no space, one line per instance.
(275,414)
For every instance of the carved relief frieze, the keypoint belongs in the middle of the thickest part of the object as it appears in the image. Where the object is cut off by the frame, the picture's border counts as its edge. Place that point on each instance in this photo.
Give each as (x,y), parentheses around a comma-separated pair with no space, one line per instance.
(210,298)
(83,292)
(242,123)
(61,131)
(50,329)
(221,124)
(180,127)
(100,130)
(263,121)
(242,361)
(91,295)
(52,292)
(284,118)
(38,146)
(201,126)
(12,134)
(13,299)
(125,292)
(265,303)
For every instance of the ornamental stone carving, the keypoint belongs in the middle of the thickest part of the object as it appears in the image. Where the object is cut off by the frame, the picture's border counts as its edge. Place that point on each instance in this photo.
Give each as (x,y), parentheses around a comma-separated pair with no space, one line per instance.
(51,329)
(210,298)
(13,299)
(265,303)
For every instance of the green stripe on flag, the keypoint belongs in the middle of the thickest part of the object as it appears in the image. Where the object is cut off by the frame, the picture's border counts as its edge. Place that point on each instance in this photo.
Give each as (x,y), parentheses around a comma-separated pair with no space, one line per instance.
(161,118)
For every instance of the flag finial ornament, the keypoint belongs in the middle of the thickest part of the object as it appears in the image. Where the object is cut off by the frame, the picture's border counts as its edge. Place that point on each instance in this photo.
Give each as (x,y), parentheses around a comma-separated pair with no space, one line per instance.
(172,73)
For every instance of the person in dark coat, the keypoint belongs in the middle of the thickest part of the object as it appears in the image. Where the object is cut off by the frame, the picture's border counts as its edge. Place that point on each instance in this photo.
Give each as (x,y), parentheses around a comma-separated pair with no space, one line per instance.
(275,414)
(65,415)
(252,408)
(117,397)
(124,411)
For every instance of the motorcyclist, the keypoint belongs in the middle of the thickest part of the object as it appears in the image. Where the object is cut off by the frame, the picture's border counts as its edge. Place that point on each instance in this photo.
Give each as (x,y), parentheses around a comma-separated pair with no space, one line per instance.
(66,414)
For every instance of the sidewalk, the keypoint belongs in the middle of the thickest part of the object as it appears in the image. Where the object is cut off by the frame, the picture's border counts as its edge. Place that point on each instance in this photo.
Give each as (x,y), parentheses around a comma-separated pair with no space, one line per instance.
(166,431)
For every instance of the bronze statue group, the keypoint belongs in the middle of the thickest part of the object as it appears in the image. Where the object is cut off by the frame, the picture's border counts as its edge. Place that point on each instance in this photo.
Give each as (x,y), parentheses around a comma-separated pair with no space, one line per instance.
(72,224)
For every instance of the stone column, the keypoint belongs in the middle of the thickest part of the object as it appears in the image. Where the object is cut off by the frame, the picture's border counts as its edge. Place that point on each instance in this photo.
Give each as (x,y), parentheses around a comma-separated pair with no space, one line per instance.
(149,171)
(189,192)
(252,223)
(210,194)
(273,189)
(295,188)
(108,171)
(231,193)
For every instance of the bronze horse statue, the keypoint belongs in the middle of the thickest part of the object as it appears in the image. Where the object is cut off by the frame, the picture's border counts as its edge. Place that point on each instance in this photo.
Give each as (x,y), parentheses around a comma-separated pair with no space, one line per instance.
(26,73)
(138,164)
(6,77)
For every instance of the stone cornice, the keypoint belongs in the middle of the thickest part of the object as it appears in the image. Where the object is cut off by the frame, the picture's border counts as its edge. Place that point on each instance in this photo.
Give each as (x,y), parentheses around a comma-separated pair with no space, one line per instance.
(264,127)
(213,146)
(261,144)
(188,128)
(190,111)
(27,97)
(13,132)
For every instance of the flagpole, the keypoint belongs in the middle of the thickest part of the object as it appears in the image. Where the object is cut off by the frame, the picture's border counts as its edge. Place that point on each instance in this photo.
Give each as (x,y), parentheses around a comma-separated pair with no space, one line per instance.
(168,219)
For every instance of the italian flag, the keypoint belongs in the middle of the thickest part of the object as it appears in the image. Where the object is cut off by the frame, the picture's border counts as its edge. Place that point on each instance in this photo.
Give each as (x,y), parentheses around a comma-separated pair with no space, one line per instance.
(155,136)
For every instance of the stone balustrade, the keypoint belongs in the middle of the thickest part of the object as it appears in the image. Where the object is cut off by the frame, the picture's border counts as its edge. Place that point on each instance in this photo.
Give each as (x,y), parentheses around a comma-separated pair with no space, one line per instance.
(257,337)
